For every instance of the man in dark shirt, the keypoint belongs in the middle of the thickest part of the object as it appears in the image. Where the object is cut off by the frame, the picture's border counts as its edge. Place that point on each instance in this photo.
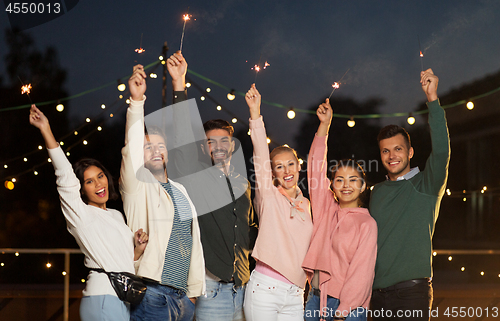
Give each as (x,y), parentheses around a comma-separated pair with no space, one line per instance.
(221,194)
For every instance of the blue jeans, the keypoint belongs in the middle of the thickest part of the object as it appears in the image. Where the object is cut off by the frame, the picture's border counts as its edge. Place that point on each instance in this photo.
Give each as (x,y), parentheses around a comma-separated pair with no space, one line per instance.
(223,302)
(163,303)
(103,308)
(312,310)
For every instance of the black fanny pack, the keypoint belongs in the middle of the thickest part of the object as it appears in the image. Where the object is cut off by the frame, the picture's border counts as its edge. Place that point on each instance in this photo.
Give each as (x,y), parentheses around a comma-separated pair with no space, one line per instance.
(128,287)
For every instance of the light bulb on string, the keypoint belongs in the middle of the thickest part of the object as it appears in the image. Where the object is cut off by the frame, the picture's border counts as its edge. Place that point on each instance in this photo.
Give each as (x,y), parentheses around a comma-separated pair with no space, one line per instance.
(219,107)
(231,95)
(202,98)
(268,140)
(351,123)
(290,114)
(411,119)
(9,185)
(103,106)
(188,84)
(208,90)
(234,120)
(121,86)
(14,180)
(470,105)
(60,107)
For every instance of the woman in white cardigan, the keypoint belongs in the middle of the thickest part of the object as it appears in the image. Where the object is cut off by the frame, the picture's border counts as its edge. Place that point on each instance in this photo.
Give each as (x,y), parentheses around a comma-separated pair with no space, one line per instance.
(101,233)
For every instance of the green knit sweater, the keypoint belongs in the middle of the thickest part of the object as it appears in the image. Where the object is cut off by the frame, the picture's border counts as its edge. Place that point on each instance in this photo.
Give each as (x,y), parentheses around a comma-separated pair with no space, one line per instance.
(406,212)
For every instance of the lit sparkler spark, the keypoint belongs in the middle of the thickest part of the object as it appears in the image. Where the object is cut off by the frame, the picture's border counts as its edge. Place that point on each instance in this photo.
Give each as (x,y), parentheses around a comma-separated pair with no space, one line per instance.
(140,50)
(186,17)
(266,65)
(256,68)
(421,54)
(26,89)
(335,86)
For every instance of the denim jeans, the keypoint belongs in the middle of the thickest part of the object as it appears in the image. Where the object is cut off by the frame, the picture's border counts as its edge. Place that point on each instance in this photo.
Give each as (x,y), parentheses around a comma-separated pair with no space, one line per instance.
(103,308)
(222,302)
(408,303)
(268,299)
(163,303)
(313,310)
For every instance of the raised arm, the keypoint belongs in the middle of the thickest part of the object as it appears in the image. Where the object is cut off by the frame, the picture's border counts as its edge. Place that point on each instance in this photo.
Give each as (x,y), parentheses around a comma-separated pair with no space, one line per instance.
(317,164)
(436,168)
(262,164)
(133,151)
(68,185)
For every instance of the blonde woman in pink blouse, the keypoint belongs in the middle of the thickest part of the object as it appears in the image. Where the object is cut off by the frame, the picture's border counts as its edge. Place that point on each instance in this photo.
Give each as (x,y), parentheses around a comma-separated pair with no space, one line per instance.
(340,263)
(275,290)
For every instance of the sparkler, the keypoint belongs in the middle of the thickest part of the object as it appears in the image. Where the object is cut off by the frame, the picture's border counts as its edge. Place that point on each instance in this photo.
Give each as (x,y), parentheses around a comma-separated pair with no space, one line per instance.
(185,18)
(336,85)
(140,50)
(421,54)
(257,68)
(25,89)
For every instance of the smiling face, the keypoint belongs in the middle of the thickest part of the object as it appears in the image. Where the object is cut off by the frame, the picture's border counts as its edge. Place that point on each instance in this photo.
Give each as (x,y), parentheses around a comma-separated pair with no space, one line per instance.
(220,145)
(348,184)
(286,170)
(155,154)
(395,156)
(95,187)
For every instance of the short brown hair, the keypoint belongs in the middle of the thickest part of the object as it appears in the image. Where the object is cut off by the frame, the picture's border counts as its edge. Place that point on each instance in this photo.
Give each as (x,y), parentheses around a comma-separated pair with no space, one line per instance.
(218,124)
(393,130)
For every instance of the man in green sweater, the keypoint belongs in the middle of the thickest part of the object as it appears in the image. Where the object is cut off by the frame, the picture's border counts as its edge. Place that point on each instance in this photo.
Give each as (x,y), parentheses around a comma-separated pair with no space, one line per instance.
(406,207)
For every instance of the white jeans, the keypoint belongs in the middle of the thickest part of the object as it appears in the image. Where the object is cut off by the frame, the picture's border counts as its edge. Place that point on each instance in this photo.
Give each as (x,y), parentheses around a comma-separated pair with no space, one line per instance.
(269,299)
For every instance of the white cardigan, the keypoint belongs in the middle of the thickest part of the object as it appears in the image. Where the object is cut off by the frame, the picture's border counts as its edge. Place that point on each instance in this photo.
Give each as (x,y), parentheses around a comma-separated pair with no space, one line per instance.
(148,206)
(102,235)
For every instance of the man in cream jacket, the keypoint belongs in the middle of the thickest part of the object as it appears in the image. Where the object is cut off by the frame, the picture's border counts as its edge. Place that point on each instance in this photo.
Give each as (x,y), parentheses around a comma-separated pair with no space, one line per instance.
(173,262)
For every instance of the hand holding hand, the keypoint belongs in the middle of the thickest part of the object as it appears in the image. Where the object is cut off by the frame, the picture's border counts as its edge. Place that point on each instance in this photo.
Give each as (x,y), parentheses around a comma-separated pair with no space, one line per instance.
(177,68)
(137,83)
(429,83)
(253,100)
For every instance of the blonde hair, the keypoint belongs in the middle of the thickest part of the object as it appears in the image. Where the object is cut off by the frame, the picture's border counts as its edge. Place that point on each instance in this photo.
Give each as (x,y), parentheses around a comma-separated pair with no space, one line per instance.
(283,149)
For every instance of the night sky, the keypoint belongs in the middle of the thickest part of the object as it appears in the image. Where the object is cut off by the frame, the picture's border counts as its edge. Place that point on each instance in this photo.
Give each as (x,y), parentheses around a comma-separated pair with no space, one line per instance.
(309,46)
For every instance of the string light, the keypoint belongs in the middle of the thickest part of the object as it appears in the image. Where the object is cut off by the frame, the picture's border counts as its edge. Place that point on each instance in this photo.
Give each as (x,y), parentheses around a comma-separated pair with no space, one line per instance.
(485,188)
(61,143)
(82,280)
(219,107)
(463,268)
(25,159)
(470,105)
(87,120)
(16,254)
(465,199)
(5,166)
(450,258)
(160,58)
(121,85)
(163,62)
(99,128)
(13,180)
(351,123)
(60,107)
(249,132)
(9,185)
(153,75)
(234,120)
(208,90)
(301,161)
(127,101)
(40,147)
(120,96)
(482,273)
(85,142)
(434,253)
(188,84)
(35,172)
(48,265)
(371,188)
(67,154)
(268,140)
(202,98)
(291,114)
(411,119)
(448,192)
(2,264)
(75,132)
(63,273)
(49,160)
(230,95)
(111,115)
(104,106)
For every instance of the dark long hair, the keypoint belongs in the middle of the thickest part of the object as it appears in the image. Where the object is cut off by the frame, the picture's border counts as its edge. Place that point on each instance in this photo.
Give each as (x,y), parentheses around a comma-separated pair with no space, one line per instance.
(81,166)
